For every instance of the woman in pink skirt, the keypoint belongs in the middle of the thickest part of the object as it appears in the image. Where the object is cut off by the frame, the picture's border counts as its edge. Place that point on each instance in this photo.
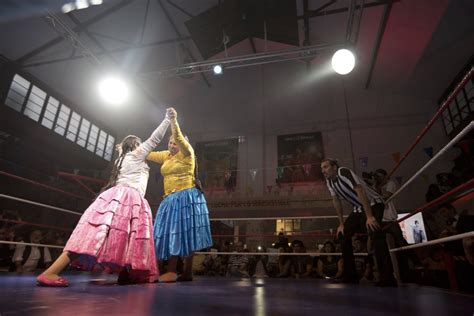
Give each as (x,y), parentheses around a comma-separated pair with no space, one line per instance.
(115,233)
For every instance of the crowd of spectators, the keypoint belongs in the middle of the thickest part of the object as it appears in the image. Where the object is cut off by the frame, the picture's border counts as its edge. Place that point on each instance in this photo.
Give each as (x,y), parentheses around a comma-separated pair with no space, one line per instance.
(26,258)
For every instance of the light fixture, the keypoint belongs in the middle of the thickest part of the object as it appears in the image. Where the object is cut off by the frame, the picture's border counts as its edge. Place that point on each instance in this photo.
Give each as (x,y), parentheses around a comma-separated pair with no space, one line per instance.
(217,69)
(68,7)
(82,4)
(79,4)
(113,90)
(343,61)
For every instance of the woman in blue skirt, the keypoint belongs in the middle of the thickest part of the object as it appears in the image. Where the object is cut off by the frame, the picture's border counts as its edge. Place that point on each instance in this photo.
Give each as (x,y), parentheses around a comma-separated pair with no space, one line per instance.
(182,222)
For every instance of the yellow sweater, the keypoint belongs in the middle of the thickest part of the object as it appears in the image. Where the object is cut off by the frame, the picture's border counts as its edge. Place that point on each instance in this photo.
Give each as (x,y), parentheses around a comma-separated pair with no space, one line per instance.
(177,170)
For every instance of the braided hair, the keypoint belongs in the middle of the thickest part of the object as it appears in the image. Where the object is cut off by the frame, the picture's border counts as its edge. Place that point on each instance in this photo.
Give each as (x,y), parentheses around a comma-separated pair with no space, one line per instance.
(128,144)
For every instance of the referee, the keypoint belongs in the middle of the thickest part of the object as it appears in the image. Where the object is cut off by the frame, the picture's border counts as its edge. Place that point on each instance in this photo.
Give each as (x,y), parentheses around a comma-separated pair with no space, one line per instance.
(367,214)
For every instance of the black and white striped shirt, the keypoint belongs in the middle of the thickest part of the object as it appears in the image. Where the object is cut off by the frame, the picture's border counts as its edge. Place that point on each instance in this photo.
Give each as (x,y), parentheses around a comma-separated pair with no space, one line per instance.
(343,187)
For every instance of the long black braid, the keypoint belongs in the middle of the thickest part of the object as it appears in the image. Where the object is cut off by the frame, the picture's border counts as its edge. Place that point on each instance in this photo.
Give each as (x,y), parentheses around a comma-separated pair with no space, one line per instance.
(127,145)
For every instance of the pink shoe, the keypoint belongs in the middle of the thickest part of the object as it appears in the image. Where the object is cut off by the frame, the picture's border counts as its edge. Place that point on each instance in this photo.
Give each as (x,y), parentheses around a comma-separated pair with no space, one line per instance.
(41,280)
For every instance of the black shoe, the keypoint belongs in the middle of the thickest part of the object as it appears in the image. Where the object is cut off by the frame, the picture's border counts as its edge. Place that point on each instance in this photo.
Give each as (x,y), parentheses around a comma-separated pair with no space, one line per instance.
(183,278)
(124,278)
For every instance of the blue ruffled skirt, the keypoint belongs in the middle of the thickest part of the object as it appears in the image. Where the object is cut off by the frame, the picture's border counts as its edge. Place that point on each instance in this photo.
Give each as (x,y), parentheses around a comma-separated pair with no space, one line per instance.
(182,224)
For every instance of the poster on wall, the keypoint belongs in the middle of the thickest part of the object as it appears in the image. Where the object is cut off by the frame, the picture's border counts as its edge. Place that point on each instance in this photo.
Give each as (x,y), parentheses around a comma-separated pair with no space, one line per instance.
(299,158)
(217,162)
(413,228)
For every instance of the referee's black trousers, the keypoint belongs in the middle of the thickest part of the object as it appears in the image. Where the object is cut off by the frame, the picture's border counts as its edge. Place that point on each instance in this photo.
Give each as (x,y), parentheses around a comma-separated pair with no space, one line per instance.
(355,223)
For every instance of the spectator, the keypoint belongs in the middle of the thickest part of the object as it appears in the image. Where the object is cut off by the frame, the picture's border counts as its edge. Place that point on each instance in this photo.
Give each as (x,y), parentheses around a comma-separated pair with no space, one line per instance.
(59,240)
(387,187)
(283,261)
(458,224)
(446,181)
(435,270)
(433,192)
(455,223)
(219,262)
(6,251)
(230,180)
(29,258)
(368,178)
(273,263)
(458,176)
(330,266)
(364,264)
(49,238)
(238,265)
(219,265)
(259,265)
(199,264)
(8,218)
(300,266)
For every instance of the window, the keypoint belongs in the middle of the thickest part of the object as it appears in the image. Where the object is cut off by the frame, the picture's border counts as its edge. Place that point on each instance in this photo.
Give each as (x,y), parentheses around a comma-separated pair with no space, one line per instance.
(109,149)
(457,120)
(92,138)
(446,116)
(101,143)
(293,225)
(35,103)
(17,93)
(453,108)
(50,113)
(465,111)
(470,90)
(446,119)
(63,118)
(73,126)
(83,132)
(449,127)
(461,100)
(458,113)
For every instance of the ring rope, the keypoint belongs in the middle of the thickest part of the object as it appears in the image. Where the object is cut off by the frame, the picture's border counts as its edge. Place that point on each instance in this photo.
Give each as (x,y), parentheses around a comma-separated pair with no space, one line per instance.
(439,200)
(313,254)
(60,209)
(271,218)
(211,219)
(42,185)
(34,224)
(6,242)
(435,242)
(454,141)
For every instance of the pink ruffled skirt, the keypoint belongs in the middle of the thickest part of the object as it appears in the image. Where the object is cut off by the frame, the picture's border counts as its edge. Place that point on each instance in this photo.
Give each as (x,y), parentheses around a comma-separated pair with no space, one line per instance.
(116,233)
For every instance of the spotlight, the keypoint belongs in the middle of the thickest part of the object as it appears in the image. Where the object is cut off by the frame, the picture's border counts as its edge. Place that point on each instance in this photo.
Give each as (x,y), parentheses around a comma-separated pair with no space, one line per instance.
(82,4)
(113,90)
(217,69)
(79,4)
(68,7)
(259,248)
(343,61)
